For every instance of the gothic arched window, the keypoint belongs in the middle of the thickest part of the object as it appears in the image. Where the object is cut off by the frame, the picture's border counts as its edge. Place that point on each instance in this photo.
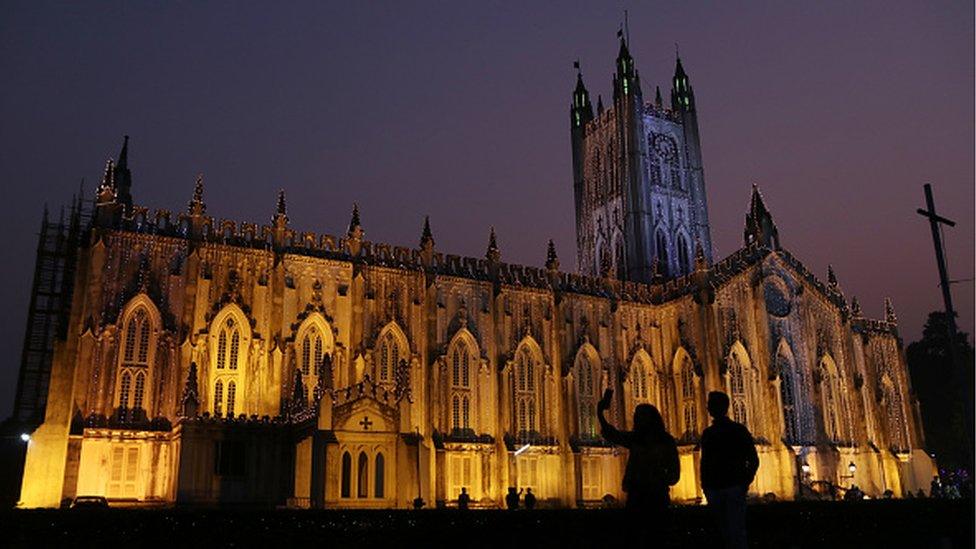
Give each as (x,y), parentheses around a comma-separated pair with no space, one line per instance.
(389,358)
(135,368)
(894,415)
(662,252)
(362,476)
(587,385)
(379,471)
(787,392)
(689,404)
(738,389)
(346,475)
(230,337)
(834,401)
(526,392)
(684,259)
(461,359)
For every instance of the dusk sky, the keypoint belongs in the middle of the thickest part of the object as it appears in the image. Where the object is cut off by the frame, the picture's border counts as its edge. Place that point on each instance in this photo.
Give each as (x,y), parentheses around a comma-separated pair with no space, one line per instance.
(840,112)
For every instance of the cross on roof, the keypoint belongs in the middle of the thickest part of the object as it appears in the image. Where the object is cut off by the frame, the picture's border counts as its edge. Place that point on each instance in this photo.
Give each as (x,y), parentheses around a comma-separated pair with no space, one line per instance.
(366,423)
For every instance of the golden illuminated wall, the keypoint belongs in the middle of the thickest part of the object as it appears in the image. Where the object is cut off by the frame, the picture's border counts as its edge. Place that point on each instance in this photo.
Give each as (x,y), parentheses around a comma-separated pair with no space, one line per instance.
(498,357)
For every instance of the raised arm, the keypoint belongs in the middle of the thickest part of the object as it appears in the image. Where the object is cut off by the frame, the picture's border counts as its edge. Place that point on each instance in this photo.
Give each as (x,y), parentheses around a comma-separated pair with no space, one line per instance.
(609,432)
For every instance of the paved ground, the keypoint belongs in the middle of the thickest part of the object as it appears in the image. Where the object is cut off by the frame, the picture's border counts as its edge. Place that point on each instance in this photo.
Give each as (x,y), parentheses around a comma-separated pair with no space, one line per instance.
(882,524)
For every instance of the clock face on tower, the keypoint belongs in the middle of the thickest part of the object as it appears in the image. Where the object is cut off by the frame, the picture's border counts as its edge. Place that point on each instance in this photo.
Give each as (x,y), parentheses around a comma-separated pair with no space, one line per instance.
(664,146)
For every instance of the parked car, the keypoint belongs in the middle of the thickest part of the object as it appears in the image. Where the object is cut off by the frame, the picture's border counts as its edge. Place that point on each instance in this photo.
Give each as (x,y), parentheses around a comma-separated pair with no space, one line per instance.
(89,502)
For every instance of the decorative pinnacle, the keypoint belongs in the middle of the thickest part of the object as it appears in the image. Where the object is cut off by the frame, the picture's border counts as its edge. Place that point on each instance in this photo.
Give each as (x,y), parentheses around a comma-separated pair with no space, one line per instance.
(426,238)
(354,223)
(108,180)
(197,206)
(552,260)
(890,312)
(281,209)
(831,277)
(700,263)
(855,307)
(494,254)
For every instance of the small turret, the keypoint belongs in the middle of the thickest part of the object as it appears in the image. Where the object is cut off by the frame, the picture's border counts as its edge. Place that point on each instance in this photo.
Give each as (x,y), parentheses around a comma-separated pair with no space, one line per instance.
(760,229)
(855,308)
(426,237)
(552,260)
(123,178)
(658,102)
(701,264)
(355,233)
(493,254)
(625,79)
(190,399)
(831,277)
(682,94)
(197,207)
(581,110)
(890,317)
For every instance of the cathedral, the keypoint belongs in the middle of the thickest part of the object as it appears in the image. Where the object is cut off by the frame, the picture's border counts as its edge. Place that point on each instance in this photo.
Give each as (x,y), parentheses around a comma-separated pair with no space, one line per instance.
(175,358)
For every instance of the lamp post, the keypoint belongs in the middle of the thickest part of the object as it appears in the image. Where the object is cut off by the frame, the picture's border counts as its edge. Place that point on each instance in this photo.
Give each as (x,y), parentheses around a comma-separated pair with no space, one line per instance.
(802,475)
(852,467)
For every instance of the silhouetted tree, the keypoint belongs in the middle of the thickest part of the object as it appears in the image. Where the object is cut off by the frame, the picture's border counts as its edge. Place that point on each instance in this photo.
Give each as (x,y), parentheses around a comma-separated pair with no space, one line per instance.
(944,391)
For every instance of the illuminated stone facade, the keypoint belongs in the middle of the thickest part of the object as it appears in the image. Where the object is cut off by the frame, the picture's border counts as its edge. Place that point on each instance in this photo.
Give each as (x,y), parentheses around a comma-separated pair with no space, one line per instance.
(209,362)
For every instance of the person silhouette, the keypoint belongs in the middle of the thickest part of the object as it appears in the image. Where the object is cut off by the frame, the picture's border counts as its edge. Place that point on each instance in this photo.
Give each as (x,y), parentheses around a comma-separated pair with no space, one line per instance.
(512,499)
(529,499)
(652,463)
(463,499)
(728,465)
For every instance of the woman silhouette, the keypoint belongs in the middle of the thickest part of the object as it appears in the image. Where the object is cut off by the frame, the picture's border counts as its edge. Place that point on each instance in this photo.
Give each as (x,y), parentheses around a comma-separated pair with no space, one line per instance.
(652,463)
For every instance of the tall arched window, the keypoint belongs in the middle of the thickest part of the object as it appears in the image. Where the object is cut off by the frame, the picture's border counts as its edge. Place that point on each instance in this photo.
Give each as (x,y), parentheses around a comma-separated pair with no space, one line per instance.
(662,252)
(787,393)
(379,471)
(526,391)
(684,262)
(834,401)
(230,336)
(638,381)
(738,389)
(346,475)
(689,404)
(587,385)
(311,363)
(389,358)
(460,356)
(621,263)
(362,478)
(894,415)
(134,369)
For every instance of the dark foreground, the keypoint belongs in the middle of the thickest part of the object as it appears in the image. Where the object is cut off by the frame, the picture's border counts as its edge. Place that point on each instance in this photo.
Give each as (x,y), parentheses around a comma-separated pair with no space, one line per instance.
(912,523)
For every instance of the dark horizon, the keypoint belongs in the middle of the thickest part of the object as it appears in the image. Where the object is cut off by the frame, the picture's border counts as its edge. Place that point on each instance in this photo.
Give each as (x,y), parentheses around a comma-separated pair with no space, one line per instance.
(840,113)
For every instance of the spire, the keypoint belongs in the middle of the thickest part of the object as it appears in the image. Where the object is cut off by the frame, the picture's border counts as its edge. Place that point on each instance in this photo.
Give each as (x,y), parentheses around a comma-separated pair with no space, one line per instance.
(831,277)
(855,308)
(760,229)
(426,238)
(552,260)
(190,399)
(625,82)
(196,205)
(682,95)
(658,102)
(581,110)
(493,255)
(280,218)
(354,224)
(106,191)
(123,177)
(700,263)
(890,317)
(599,105)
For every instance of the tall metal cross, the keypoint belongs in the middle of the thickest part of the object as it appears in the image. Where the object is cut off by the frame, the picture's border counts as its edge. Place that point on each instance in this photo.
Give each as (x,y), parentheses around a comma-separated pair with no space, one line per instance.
(934,221)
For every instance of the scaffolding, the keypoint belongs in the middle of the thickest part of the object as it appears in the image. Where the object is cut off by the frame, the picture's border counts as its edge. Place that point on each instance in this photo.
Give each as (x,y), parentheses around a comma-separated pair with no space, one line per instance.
(50,305)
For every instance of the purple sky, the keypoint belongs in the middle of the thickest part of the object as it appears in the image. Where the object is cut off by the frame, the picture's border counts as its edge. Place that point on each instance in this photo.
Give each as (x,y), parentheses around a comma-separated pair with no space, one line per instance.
(839,111)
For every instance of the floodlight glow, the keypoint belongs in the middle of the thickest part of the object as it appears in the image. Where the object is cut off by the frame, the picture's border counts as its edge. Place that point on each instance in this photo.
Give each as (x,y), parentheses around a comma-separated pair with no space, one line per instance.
(522,449)
(25,437)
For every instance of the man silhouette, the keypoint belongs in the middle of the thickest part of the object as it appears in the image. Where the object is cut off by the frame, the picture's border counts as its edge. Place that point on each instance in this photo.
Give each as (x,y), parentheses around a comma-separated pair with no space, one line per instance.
(529,499)
(463,499)
(728,465)
(512,499)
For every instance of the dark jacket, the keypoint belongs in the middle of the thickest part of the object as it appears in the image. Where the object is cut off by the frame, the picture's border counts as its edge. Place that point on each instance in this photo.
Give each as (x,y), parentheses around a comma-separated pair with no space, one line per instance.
(653,461)
(728,455)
